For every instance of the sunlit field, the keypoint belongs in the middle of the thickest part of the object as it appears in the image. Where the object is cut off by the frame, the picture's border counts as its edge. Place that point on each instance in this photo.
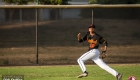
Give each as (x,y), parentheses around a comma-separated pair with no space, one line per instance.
(70,72)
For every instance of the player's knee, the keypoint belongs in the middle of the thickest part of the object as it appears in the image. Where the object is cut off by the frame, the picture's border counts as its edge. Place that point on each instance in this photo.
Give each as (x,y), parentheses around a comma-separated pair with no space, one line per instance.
(78,60)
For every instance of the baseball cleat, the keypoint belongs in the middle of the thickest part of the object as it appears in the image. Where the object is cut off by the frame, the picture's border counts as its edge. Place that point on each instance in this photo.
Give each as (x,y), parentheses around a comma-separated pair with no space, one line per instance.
(119,76)
(83,75)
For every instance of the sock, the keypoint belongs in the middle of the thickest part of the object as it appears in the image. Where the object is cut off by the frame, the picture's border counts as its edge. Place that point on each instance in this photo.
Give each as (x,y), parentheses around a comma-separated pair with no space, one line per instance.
(86,72)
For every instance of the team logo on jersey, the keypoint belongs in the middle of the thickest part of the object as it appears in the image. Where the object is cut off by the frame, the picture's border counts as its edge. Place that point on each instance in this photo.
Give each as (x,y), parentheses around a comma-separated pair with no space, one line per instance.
(132,78)
(92,42)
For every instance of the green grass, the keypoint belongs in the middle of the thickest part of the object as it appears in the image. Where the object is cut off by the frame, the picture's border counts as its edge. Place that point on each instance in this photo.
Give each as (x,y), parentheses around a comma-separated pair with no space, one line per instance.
(70,72)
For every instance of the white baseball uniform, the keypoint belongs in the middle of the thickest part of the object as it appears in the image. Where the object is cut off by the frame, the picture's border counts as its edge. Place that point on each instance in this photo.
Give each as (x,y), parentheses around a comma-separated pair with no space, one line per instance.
(93,53)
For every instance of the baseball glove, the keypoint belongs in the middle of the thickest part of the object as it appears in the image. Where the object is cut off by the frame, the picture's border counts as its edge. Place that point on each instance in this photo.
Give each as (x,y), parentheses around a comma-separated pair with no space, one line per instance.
(103,54)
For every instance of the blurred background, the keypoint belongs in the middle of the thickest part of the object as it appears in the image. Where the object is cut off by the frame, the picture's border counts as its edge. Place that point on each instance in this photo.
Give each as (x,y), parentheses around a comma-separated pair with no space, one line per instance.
(58,29)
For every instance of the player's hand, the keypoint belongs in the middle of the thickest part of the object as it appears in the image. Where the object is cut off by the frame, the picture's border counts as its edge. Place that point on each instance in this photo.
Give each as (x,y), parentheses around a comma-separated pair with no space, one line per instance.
(79,36)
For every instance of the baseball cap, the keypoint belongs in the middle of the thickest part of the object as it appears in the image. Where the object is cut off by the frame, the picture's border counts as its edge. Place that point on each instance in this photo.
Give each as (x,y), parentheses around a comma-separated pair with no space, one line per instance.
(91,26)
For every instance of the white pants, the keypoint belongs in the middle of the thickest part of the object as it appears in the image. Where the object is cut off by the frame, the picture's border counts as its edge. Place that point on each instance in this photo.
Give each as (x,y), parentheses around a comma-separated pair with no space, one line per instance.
(94,56)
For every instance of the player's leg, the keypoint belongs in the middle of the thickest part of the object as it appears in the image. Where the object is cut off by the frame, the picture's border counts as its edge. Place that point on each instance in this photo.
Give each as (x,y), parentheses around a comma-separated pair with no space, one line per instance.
(104,66)
(88,55)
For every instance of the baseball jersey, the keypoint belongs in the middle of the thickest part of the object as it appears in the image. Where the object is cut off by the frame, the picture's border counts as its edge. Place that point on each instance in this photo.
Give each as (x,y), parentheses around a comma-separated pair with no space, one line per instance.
(94,40)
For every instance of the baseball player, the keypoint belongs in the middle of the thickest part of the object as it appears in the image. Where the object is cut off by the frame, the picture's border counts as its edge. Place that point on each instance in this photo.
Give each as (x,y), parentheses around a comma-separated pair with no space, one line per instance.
(93,54)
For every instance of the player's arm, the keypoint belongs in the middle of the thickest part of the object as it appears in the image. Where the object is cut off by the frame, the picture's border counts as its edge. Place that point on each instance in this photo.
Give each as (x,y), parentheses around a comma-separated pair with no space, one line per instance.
(105,48)
(104,41)
(79,36)
(81,39)
(106,44)
(103,53)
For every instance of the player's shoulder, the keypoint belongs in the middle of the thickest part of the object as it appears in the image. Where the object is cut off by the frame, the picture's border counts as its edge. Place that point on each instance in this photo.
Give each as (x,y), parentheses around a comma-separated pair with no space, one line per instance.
(97,34)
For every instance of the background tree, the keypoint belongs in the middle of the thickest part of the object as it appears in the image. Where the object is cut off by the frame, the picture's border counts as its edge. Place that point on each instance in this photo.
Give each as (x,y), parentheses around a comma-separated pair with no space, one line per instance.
(54,2)
(114,1)
(18,2)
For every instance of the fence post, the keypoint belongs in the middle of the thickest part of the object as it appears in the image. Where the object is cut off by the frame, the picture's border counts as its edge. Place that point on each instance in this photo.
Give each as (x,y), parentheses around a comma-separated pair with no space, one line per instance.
(36,35)
(20,15)
(92,16)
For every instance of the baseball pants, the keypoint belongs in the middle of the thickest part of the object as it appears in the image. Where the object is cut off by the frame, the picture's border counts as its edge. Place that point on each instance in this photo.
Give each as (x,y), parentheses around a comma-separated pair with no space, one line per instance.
(94,56)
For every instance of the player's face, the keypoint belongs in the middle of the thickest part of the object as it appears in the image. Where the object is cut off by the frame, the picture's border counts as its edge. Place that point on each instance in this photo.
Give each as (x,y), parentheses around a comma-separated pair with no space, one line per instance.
(91,29)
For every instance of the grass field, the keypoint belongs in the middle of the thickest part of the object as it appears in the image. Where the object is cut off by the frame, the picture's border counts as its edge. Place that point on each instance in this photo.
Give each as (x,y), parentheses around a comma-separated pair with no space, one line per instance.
(70,72)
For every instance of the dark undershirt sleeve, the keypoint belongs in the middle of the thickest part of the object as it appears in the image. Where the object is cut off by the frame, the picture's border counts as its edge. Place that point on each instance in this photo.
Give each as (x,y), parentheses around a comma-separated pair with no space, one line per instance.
(103,41)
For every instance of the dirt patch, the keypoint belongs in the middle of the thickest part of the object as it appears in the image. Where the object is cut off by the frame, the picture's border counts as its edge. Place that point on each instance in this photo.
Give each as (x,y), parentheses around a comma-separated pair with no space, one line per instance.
(66,55)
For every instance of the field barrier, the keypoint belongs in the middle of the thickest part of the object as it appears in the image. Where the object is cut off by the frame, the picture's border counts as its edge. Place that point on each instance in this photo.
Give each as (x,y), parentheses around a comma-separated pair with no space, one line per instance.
(47,34)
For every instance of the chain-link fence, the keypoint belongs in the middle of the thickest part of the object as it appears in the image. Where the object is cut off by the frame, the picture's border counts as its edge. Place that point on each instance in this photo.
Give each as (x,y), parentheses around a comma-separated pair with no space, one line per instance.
(57,35)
